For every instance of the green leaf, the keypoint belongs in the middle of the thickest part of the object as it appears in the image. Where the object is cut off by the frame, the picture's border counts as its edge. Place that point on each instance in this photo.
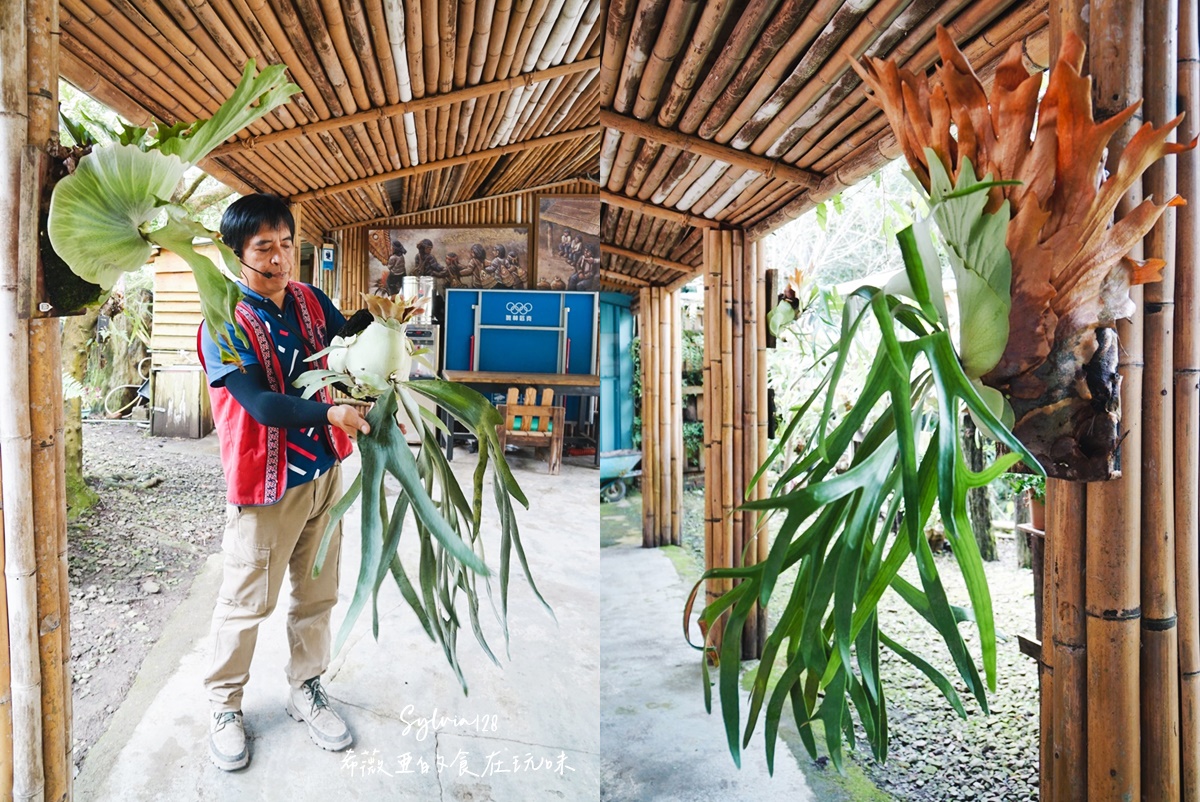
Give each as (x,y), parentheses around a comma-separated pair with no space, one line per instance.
(980,261)
(780,317)
(97,213)
(254,97)
(822,215)
(219,296)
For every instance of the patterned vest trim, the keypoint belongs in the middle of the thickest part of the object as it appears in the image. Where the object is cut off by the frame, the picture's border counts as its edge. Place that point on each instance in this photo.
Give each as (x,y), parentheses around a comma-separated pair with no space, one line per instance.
(253,455)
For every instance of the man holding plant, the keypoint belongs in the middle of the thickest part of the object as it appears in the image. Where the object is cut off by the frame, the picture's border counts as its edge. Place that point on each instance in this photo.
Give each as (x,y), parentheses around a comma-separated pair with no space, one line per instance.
(281,455)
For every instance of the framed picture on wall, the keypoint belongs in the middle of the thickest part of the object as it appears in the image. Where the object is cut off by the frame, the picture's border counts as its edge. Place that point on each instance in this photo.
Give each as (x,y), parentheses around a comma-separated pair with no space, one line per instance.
(468,257)
(568,243)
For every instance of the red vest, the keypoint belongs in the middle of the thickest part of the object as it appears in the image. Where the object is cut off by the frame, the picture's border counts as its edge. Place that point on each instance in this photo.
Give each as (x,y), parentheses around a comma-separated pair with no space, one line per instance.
(255,456)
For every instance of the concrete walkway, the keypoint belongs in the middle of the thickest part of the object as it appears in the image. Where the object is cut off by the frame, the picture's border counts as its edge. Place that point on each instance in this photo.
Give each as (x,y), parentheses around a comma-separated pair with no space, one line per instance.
(527,731)
(657,741)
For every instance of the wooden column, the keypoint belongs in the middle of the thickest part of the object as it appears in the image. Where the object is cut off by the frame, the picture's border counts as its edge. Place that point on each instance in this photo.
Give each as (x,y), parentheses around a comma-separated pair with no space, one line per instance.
(734,423)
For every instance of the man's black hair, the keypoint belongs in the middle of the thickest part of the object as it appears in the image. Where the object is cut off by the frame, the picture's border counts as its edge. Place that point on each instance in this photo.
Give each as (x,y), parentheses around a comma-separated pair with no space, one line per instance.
(245,216)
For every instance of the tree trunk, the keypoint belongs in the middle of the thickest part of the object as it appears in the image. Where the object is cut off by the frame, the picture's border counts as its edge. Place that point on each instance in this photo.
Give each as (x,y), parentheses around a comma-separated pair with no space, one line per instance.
(977,497)
(1021,516)
(77,330)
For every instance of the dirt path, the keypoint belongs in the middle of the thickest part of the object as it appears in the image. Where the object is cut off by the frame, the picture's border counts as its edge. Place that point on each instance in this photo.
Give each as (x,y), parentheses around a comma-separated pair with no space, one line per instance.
(133,556)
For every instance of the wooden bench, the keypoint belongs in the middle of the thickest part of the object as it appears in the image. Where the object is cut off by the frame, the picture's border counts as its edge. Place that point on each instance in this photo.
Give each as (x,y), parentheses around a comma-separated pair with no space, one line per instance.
(528,423)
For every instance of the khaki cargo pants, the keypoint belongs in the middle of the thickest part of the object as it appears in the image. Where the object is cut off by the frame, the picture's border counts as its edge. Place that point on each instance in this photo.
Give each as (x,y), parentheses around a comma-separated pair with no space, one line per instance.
(260,544)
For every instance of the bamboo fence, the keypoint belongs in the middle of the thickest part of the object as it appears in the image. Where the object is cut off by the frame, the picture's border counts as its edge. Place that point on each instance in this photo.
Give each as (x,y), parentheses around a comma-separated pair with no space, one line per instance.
(734,420)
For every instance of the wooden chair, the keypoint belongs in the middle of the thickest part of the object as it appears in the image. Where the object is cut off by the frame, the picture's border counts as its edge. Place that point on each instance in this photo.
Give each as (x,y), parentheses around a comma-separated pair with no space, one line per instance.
(528,423)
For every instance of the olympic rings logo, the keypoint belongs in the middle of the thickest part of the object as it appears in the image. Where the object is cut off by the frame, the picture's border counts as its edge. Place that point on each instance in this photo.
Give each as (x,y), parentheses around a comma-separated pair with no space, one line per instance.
(515,308)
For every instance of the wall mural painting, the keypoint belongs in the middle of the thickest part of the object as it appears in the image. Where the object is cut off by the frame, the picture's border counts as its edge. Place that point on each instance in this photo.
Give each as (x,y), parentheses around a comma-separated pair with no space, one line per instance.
(470,258)
(568,243)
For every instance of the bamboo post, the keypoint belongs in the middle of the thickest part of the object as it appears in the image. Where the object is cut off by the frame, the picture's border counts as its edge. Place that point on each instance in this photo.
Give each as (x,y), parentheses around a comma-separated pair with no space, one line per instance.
(733,446)
(715,547)
(754,634)
(649,445)
(729,554)
(1064,642)
(1160,645)
(762,543)
(677,394)
(1186,359)
(666,412)
(1064,668)
(44,374)
(18,188)
(1113,549)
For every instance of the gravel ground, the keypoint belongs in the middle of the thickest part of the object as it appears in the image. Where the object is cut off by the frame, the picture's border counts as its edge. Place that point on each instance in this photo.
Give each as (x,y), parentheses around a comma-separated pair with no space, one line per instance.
(132,557)
(933,755)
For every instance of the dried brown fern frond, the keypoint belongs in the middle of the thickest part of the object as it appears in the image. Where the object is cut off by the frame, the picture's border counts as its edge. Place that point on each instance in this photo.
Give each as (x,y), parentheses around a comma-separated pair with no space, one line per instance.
(1071,273)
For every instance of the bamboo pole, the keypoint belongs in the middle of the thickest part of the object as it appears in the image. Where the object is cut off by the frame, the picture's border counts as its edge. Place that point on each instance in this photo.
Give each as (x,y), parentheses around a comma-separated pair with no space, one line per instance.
(1065,736)
(760,384)
(1186,358)
(749,424)
(1160,645)
(729,554)
(44,374)
(544,142)
(694,144)
(666,429)
(382,113)
(732,353)
(648,312)
(677,394)
(1113,508)
(18,181)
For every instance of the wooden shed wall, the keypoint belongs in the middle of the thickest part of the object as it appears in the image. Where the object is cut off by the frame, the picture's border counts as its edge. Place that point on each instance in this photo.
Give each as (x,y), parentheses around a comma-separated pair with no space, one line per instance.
(346,284)
(176,309)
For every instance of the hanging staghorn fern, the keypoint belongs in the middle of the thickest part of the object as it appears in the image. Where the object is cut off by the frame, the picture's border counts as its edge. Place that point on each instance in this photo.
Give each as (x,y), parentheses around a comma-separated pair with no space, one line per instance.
(368,361)
(1039,271)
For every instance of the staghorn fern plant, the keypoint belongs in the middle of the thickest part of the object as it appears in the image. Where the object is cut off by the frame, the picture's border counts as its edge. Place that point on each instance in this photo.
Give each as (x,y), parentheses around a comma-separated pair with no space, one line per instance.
(1039,272)
(371,361)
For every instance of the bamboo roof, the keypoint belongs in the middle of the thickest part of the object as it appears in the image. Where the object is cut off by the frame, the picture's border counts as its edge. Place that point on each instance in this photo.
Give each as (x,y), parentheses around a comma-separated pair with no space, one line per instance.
(746,115)
(405,106)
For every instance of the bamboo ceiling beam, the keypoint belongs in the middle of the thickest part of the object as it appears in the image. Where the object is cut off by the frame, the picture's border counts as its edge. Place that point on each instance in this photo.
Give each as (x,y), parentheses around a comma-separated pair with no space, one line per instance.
(635,205)
(419,104)
(490,153)
(399,218)
(702,147)
(646,258)
(621,278)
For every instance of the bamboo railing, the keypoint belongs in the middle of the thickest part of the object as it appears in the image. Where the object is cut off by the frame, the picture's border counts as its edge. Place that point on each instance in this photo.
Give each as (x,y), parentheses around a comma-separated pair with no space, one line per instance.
(735,412)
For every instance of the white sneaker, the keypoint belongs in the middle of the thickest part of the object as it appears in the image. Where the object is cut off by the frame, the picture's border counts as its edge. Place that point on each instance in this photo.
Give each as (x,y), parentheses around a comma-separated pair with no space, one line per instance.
(227,741)
(309,704)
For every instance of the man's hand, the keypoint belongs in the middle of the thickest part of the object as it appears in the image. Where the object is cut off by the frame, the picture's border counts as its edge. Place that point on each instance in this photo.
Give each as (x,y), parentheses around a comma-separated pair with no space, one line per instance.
(346,418)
